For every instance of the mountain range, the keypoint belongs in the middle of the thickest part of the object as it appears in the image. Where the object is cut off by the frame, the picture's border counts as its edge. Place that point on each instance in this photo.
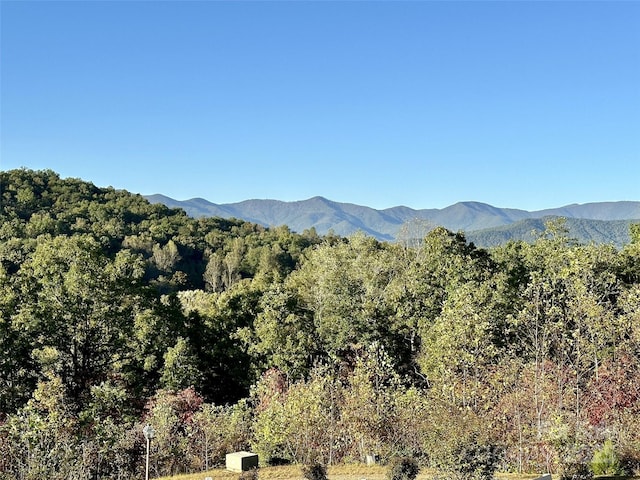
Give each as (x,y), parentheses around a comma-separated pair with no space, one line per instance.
(485,225)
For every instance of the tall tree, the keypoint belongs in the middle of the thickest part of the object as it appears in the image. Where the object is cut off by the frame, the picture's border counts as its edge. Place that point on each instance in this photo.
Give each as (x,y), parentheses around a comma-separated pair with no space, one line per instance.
(78,306)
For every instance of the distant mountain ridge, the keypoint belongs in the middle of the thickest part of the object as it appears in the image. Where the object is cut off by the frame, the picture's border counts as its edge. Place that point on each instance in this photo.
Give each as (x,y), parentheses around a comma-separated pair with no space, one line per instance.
(486,225)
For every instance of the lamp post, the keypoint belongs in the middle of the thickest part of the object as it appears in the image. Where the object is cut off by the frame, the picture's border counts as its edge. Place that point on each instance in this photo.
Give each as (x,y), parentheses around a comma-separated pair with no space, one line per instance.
(149,432)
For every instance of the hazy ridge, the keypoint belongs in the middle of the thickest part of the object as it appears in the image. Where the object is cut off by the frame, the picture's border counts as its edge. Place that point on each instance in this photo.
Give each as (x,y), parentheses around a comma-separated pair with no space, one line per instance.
(485,225)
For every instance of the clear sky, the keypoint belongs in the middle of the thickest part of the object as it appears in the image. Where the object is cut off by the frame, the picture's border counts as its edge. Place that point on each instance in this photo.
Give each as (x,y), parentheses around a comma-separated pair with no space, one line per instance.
(518,104)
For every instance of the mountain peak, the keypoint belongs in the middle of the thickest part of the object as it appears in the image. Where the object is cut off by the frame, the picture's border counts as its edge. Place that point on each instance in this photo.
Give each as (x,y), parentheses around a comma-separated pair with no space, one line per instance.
(346,218)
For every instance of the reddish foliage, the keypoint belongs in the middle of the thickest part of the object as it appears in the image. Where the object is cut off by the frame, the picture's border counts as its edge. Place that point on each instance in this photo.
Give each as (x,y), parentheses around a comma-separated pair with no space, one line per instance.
(273,383)
(185,403)
(616,388)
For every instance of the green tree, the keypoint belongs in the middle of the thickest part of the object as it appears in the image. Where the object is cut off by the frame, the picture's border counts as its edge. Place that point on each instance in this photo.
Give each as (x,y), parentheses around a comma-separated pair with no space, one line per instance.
(424,277)
(217,430)
(42,441)
(17,377)
(368,407)
(213,273)
(296,424)
(171,416)
(166,257)
(463,342)
(284,333)
(79,306)
(217,326)
(343,285)
(180,368)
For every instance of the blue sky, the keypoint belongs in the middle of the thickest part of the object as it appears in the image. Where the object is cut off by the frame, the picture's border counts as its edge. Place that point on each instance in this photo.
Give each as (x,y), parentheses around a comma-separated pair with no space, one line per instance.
(518,104)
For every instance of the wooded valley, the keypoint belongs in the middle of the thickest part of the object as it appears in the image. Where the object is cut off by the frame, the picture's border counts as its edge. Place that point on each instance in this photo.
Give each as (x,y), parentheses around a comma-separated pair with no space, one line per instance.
(225,335)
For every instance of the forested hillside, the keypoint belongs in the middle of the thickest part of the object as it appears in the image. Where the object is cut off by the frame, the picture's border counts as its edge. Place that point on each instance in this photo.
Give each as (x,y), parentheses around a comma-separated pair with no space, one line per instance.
(612,232)
(225,335)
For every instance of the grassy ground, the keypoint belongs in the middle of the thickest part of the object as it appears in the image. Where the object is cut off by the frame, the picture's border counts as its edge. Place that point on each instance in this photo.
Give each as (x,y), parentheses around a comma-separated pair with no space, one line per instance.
(339,472)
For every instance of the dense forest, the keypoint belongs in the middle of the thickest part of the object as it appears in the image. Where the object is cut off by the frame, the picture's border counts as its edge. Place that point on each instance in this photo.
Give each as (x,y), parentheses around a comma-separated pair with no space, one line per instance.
(225,336)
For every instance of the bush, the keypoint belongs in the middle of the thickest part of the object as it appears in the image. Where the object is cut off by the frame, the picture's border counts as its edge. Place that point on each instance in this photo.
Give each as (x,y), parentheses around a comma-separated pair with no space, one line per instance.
(630,460)
(403,469)
(468,458)
(606,461)
(576,471)
(249,475)
(477,460)
(314,472)
(460,445)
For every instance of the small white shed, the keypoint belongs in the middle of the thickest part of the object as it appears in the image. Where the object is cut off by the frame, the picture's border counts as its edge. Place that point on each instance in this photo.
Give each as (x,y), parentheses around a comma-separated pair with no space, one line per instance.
(241,461)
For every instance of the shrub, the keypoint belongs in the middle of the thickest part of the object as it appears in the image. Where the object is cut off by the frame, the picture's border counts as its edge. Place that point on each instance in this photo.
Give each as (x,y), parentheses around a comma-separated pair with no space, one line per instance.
(403,468)
(576,471)
(606,461)
(477,460)
(460,443)
(469,458)
(314,472)
(249,475)
(630,460)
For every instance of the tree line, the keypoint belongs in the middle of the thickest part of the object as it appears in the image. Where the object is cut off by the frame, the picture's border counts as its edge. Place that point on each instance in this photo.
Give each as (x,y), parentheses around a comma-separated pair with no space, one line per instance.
(225,335)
